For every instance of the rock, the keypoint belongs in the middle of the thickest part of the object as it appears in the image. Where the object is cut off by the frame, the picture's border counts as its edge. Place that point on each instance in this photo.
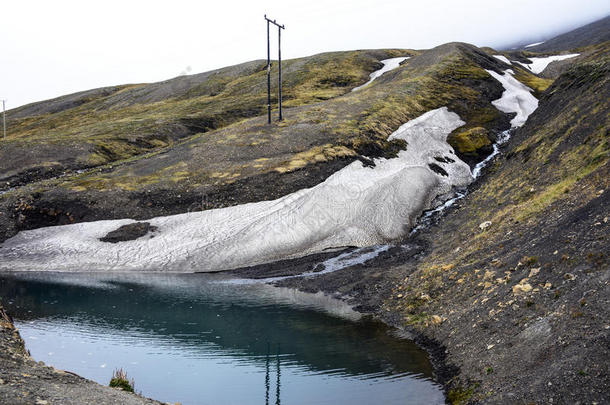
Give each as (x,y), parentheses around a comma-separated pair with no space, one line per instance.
(129,232)
(523,287)
(489,275)
(436,320)
(424,297)
(484,225)
(534,271)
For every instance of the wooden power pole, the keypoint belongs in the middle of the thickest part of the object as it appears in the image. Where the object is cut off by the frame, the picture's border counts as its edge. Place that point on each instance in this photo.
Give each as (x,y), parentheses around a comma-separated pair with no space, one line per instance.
(279,51)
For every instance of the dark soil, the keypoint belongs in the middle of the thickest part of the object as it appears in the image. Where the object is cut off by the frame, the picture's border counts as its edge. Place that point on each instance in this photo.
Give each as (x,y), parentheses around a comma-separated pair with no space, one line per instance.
(129,232)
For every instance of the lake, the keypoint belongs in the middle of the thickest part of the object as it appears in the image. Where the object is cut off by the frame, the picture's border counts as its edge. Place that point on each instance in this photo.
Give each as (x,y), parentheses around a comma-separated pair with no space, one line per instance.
(206,339)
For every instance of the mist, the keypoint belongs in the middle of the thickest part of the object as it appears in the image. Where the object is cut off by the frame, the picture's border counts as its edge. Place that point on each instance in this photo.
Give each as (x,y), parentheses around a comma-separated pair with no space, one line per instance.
(60,47)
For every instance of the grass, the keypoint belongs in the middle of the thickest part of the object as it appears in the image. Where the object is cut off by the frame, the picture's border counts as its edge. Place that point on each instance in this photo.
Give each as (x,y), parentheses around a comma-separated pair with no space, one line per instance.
(119,380)
(459,395)
(103,130)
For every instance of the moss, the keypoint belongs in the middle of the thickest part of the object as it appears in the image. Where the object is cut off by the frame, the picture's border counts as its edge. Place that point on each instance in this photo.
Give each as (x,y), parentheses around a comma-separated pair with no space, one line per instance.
(459,395)
(538,84)
(316,154)
(470,140)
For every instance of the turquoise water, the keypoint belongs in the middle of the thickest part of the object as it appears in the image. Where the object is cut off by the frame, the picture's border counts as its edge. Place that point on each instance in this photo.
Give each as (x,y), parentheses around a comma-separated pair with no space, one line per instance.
(200,339)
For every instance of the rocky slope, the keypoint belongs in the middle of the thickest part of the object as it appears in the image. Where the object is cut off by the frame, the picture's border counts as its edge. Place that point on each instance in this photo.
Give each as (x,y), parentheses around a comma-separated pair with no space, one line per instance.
(516,282)
(509,289)
(591,34)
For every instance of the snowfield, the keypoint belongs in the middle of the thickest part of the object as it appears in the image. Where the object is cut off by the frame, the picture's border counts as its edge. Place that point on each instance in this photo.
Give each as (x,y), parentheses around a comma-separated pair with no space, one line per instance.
(356,206)
(534,44)
(388,64)
(539,64)
(516,98)
(503,59)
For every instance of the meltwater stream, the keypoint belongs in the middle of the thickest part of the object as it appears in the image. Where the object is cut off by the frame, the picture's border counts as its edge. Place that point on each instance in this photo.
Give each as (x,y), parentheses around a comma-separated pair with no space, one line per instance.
(192,339)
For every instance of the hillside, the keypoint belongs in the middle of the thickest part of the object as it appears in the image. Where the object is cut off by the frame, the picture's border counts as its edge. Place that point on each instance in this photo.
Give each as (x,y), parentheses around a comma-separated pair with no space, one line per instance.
(591,34)
(508,289)
(241,162)
(101,126)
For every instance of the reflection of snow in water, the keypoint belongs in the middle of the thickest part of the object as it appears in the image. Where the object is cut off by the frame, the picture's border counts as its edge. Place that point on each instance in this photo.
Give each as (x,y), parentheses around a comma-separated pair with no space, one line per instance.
(388,64)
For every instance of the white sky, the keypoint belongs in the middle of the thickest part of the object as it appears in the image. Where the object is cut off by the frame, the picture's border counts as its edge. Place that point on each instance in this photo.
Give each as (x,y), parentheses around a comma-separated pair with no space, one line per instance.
(54,47)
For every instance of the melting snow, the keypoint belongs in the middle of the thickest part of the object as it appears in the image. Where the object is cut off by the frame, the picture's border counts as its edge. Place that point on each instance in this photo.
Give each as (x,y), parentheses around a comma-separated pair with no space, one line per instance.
(503,59)
(347,259)
(517,98)
(356,206)
(388,64)
(539,64)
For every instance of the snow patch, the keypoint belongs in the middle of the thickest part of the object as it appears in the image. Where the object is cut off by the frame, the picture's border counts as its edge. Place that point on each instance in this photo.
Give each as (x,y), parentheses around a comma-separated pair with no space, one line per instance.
(503,59)
(388,64)
(342,261)
(534,44)
(348,259)
(516,98)
(539,64)
(356,206)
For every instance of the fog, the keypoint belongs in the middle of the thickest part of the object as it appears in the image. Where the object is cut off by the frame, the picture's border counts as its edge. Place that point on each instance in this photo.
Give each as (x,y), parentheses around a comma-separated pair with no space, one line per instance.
(54,48)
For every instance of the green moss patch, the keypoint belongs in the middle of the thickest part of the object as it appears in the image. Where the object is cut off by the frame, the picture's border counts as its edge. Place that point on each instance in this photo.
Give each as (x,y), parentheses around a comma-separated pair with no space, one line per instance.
(469,141)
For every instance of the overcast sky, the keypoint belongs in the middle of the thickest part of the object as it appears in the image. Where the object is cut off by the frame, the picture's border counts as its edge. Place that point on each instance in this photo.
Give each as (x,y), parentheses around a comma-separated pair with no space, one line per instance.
(51,48)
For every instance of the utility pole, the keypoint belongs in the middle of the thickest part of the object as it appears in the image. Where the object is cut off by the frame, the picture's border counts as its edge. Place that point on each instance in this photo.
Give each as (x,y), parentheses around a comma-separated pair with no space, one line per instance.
(279,30)
(4,117)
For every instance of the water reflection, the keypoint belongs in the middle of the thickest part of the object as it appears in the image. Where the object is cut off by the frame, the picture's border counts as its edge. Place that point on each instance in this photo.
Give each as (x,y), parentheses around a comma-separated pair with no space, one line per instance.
(192,328)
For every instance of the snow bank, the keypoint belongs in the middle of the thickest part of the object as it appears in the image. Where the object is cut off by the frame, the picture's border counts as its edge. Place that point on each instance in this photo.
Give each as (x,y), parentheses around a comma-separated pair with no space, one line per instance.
(388,64)
(503,59)
(539,64)
(517,97)
(534,44)
(356,206)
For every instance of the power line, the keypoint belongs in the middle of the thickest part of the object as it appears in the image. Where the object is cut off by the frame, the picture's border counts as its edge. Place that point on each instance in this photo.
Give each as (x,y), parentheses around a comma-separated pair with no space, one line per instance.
(279,51)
